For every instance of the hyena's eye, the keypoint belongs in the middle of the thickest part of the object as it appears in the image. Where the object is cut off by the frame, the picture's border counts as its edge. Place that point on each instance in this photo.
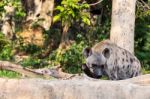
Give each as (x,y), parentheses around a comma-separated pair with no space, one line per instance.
(94,65)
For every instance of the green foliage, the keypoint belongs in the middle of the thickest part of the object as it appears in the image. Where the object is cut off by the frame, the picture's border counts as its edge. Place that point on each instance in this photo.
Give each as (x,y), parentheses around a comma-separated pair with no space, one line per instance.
(142,37)
(101,30)
(30,49)
(71,11)
(98,33)
(145,71)
(3,41)
(19,13)
(9,74)
(71,59)
(34,62)
(5,48)
(6,53)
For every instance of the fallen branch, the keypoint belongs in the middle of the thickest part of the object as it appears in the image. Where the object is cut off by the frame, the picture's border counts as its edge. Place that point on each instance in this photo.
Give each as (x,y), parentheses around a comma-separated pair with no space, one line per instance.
(93,4)
(55,72)
(38,73)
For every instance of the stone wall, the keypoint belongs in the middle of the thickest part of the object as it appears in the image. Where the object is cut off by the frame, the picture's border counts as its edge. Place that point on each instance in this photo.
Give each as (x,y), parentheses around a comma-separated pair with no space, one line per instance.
(76,88)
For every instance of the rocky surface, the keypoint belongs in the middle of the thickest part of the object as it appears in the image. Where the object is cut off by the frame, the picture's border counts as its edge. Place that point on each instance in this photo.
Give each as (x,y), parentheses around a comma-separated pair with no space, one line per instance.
(76,88)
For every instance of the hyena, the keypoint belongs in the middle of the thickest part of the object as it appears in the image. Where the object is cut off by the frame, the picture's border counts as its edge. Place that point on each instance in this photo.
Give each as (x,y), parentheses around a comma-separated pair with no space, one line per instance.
(106,58)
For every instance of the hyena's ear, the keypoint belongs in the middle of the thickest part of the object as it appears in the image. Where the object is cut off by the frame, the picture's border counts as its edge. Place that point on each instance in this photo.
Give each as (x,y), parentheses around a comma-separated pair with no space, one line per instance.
(106,52)
(86,52)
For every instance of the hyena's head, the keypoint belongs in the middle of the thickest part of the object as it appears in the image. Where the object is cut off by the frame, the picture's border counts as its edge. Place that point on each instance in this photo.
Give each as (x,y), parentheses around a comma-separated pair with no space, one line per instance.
(95,62)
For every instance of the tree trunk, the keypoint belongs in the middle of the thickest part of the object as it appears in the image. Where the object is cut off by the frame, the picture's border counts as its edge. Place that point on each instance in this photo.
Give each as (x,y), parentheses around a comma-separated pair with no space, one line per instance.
(64,37)
(123,22)
(8,26)
(37,10)
(38,73)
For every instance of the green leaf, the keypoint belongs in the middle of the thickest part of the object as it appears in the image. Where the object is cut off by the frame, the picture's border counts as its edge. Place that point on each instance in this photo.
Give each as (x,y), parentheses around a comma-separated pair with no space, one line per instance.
(21,14)
(60,8)
(85,6)
(56,18)
(86,20)
(64,2)
(70,12)
(75,6)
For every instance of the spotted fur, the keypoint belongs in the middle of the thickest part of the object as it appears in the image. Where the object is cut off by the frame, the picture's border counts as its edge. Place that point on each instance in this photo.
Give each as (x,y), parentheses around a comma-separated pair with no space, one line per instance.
(106,58)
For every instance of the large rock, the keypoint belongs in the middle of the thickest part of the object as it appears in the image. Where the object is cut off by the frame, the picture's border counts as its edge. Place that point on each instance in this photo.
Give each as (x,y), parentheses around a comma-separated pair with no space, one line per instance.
(77,88)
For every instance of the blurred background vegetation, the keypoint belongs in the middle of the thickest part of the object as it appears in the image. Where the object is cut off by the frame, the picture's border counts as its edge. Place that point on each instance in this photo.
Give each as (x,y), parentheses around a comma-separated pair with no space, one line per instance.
(86,25)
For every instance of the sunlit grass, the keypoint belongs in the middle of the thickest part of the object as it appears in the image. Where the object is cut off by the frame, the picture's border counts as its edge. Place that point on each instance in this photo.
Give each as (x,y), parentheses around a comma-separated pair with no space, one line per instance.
(145,71)
(9,74)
